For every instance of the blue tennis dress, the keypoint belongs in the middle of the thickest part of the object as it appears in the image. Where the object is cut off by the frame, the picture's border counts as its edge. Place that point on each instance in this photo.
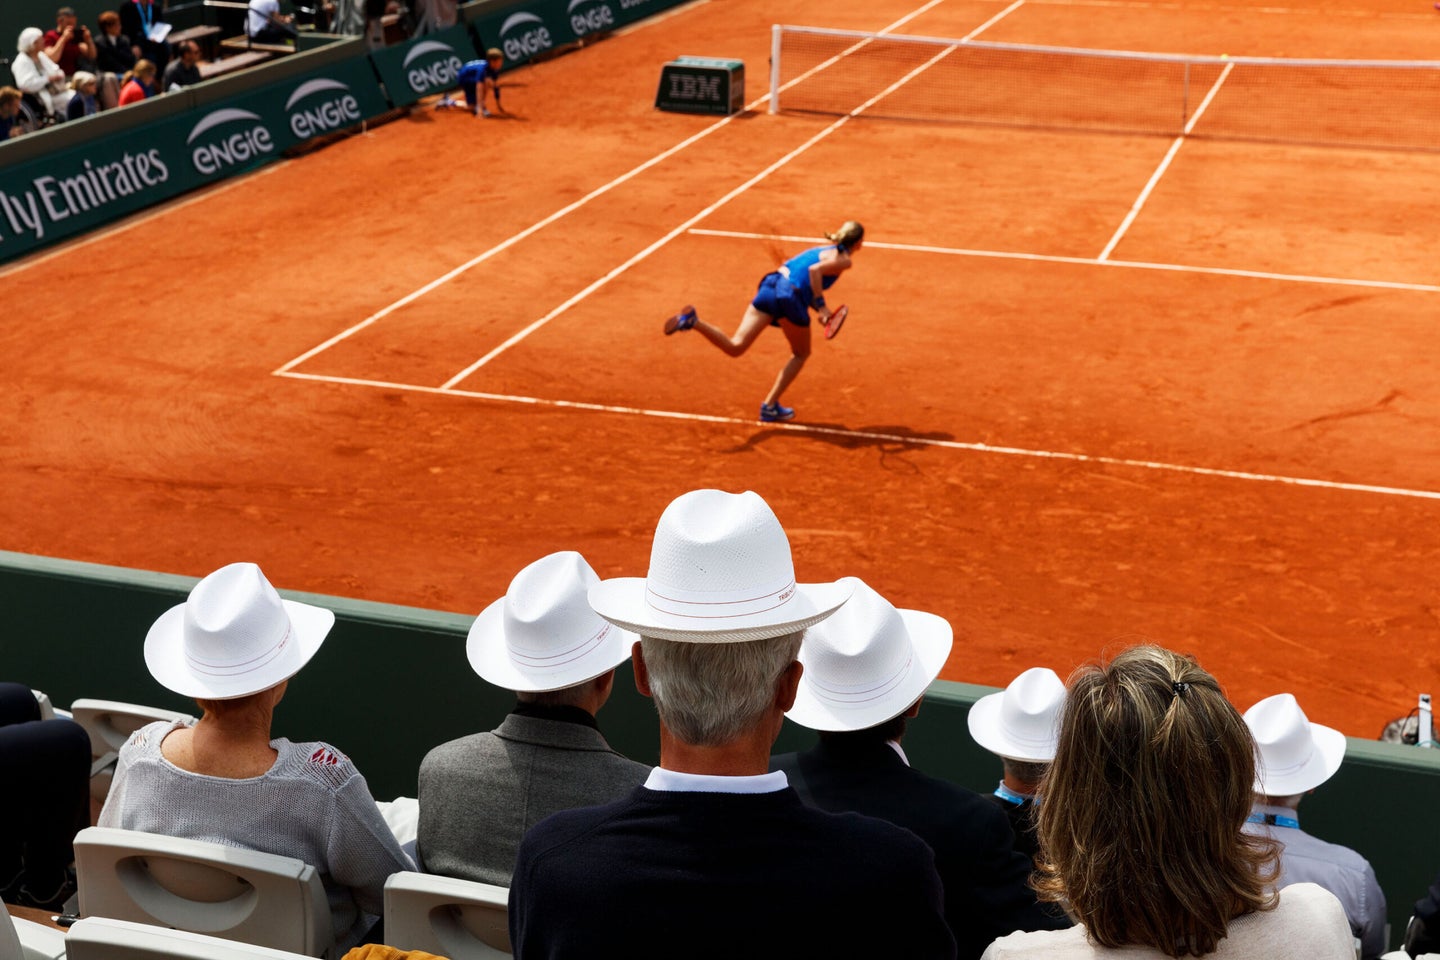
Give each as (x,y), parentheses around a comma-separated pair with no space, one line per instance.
(786,292)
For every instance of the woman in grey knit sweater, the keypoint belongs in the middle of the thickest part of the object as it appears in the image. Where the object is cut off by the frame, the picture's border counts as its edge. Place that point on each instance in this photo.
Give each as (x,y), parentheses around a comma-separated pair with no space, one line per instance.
(232,646)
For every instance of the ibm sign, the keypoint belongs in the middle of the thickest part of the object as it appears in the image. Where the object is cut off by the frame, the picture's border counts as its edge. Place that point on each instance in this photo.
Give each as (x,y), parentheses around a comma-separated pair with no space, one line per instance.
(702,85)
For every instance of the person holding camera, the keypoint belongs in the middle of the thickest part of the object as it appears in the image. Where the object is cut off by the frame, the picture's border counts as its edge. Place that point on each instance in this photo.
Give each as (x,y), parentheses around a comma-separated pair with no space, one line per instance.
(70,43)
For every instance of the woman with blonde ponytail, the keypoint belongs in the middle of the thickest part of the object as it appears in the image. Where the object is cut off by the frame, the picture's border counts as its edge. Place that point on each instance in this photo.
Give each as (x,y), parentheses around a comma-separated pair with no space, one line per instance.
(784,299)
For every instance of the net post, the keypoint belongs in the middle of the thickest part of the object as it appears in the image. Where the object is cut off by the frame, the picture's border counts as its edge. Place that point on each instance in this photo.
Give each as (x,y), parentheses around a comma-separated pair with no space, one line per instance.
(1185,99)
(775,68)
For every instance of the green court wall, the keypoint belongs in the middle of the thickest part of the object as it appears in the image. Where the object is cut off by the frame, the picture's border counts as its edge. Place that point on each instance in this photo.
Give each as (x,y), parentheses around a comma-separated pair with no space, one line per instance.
(391,682)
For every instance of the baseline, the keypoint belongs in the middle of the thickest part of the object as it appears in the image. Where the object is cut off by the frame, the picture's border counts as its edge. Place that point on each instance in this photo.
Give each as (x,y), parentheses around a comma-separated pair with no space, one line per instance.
(504,245)
(1090,261)
(884,437)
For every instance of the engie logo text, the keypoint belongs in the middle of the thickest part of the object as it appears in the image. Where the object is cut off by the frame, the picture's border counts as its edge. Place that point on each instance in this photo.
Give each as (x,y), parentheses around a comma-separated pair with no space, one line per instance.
(590,16)
(431,65)
(324,106)
(228,138)
(524,35)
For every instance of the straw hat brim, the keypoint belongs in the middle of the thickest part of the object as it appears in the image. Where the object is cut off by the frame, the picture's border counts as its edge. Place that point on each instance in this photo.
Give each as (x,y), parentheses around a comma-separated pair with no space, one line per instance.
(622,602)
(165,655)
(932,639)
(488,653)
(1323,763)
(987,730)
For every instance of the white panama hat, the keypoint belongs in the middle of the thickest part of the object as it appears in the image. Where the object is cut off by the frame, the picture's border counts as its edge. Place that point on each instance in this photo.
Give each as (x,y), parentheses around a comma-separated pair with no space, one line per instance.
(1293,754)
(233,636)
(542,635)
(720,572)
(1022,721)
(867,663)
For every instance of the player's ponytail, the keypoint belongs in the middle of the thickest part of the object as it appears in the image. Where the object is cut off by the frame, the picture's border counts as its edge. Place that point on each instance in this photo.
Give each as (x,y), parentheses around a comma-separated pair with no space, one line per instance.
(850,233)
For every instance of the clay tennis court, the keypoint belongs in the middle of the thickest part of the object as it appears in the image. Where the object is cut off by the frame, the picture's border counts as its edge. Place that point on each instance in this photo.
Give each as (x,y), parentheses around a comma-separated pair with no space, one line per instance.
(401,367)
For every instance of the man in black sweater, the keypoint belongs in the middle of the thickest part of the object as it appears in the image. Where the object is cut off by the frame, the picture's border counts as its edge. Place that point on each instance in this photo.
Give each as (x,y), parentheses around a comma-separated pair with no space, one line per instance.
(866,671)
(714,856)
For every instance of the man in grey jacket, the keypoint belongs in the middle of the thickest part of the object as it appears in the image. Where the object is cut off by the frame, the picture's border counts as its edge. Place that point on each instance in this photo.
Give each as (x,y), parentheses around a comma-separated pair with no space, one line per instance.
(479,794)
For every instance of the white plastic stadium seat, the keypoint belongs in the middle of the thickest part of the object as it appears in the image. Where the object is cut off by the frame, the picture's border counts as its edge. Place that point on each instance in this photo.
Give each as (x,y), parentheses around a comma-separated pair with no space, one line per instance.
(459,919)
(109,724)
(26,940)
(260,898)
(99,938)
(42,700)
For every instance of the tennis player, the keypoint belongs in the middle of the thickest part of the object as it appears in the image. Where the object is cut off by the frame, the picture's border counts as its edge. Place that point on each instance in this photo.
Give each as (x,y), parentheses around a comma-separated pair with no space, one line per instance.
(479,76)
(784,299)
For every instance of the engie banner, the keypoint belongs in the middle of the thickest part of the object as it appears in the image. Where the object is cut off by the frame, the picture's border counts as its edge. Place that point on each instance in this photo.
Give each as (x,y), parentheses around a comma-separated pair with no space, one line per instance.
(526,29)
(424,65)
(73,190)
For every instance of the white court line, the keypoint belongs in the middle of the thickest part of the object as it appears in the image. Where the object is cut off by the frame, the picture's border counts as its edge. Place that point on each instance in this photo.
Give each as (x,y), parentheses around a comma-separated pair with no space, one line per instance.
(1087,261)
(883,437)
(504,245)
(1164,164)
(67,247)
(763,174)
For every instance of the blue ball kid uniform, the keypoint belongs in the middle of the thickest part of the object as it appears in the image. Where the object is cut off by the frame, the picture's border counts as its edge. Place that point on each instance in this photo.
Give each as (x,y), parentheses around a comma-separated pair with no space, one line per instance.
(471,75)
(786,292)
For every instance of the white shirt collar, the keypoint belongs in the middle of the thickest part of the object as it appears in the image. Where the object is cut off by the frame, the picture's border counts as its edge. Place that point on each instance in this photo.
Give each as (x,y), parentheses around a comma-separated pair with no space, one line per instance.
(672,781)
(898,749)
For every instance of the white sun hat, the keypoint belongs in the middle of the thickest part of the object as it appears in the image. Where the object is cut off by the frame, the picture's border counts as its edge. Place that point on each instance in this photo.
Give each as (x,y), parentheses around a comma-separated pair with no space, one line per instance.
(1022,721)
(542,635)
(233,636)
(720,572)
(867,663)
(1293,755)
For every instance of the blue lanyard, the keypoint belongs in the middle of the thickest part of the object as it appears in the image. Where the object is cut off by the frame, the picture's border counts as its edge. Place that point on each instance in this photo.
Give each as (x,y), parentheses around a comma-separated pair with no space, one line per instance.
(147,16)
(1273,820)
(1010,796)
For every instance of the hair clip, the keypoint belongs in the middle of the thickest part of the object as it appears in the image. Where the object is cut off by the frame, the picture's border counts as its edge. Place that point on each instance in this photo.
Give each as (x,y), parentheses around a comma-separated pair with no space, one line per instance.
(1179,686)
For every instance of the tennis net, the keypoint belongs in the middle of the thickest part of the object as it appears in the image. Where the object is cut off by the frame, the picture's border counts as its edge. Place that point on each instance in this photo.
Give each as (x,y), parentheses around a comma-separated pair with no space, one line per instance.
(1390,104)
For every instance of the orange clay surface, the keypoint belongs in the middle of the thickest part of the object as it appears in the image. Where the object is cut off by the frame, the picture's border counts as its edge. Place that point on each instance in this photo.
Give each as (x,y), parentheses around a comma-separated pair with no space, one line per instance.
(143,424)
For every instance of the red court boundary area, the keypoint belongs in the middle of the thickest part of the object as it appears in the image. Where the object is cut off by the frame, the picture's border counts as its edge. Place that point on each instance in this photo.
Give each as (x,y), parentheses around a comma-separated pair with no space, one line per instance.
(1093,388)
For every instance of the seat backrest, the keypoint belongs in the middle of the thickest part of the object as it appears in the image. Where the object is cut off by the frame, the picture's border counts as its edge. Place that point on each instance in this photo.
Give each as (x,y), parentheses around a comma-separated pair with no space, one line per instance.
(27,940)
(99,938)
(459,919)
(110,722)
(260,898)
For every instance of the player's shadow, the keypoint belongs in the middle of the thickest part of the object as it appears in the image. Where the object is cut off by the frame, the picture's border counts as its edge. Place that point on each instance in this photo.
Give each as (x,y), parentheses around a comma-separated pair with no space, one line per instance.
(883,437)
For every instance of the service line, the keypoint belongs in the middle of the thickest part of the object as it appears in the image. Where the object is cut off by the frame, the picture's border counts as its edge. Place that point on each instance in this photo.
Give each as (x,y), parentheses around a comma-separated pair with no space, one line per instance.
(1087,261)
(801,428)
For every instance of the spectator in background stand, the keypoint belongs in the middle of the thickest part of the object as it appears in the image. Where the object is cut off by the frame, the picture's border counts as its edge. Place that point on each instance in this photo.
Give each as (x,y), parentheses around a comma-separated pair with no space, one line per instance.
(266,24)
(1019,726)
(69,44)
(113,51)
(479,794)
(1295,757)
(432,16)
(867,668)
(84,103)
(45,767)
(184,72)
(9,113)
(138,18)
(37,74)
(139,83)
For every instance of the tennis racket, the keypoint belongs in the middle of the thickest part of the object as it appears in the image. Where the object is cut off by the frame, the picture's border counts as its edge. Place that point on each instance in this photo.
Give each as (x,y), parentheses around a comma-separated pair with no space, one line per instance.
(837,320)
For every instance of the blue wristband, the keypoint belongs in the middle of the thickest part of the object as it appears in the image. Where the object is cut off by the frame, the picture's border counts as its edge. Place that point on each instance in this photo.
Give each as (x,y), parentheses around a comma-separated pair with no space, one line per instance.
(819,302)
